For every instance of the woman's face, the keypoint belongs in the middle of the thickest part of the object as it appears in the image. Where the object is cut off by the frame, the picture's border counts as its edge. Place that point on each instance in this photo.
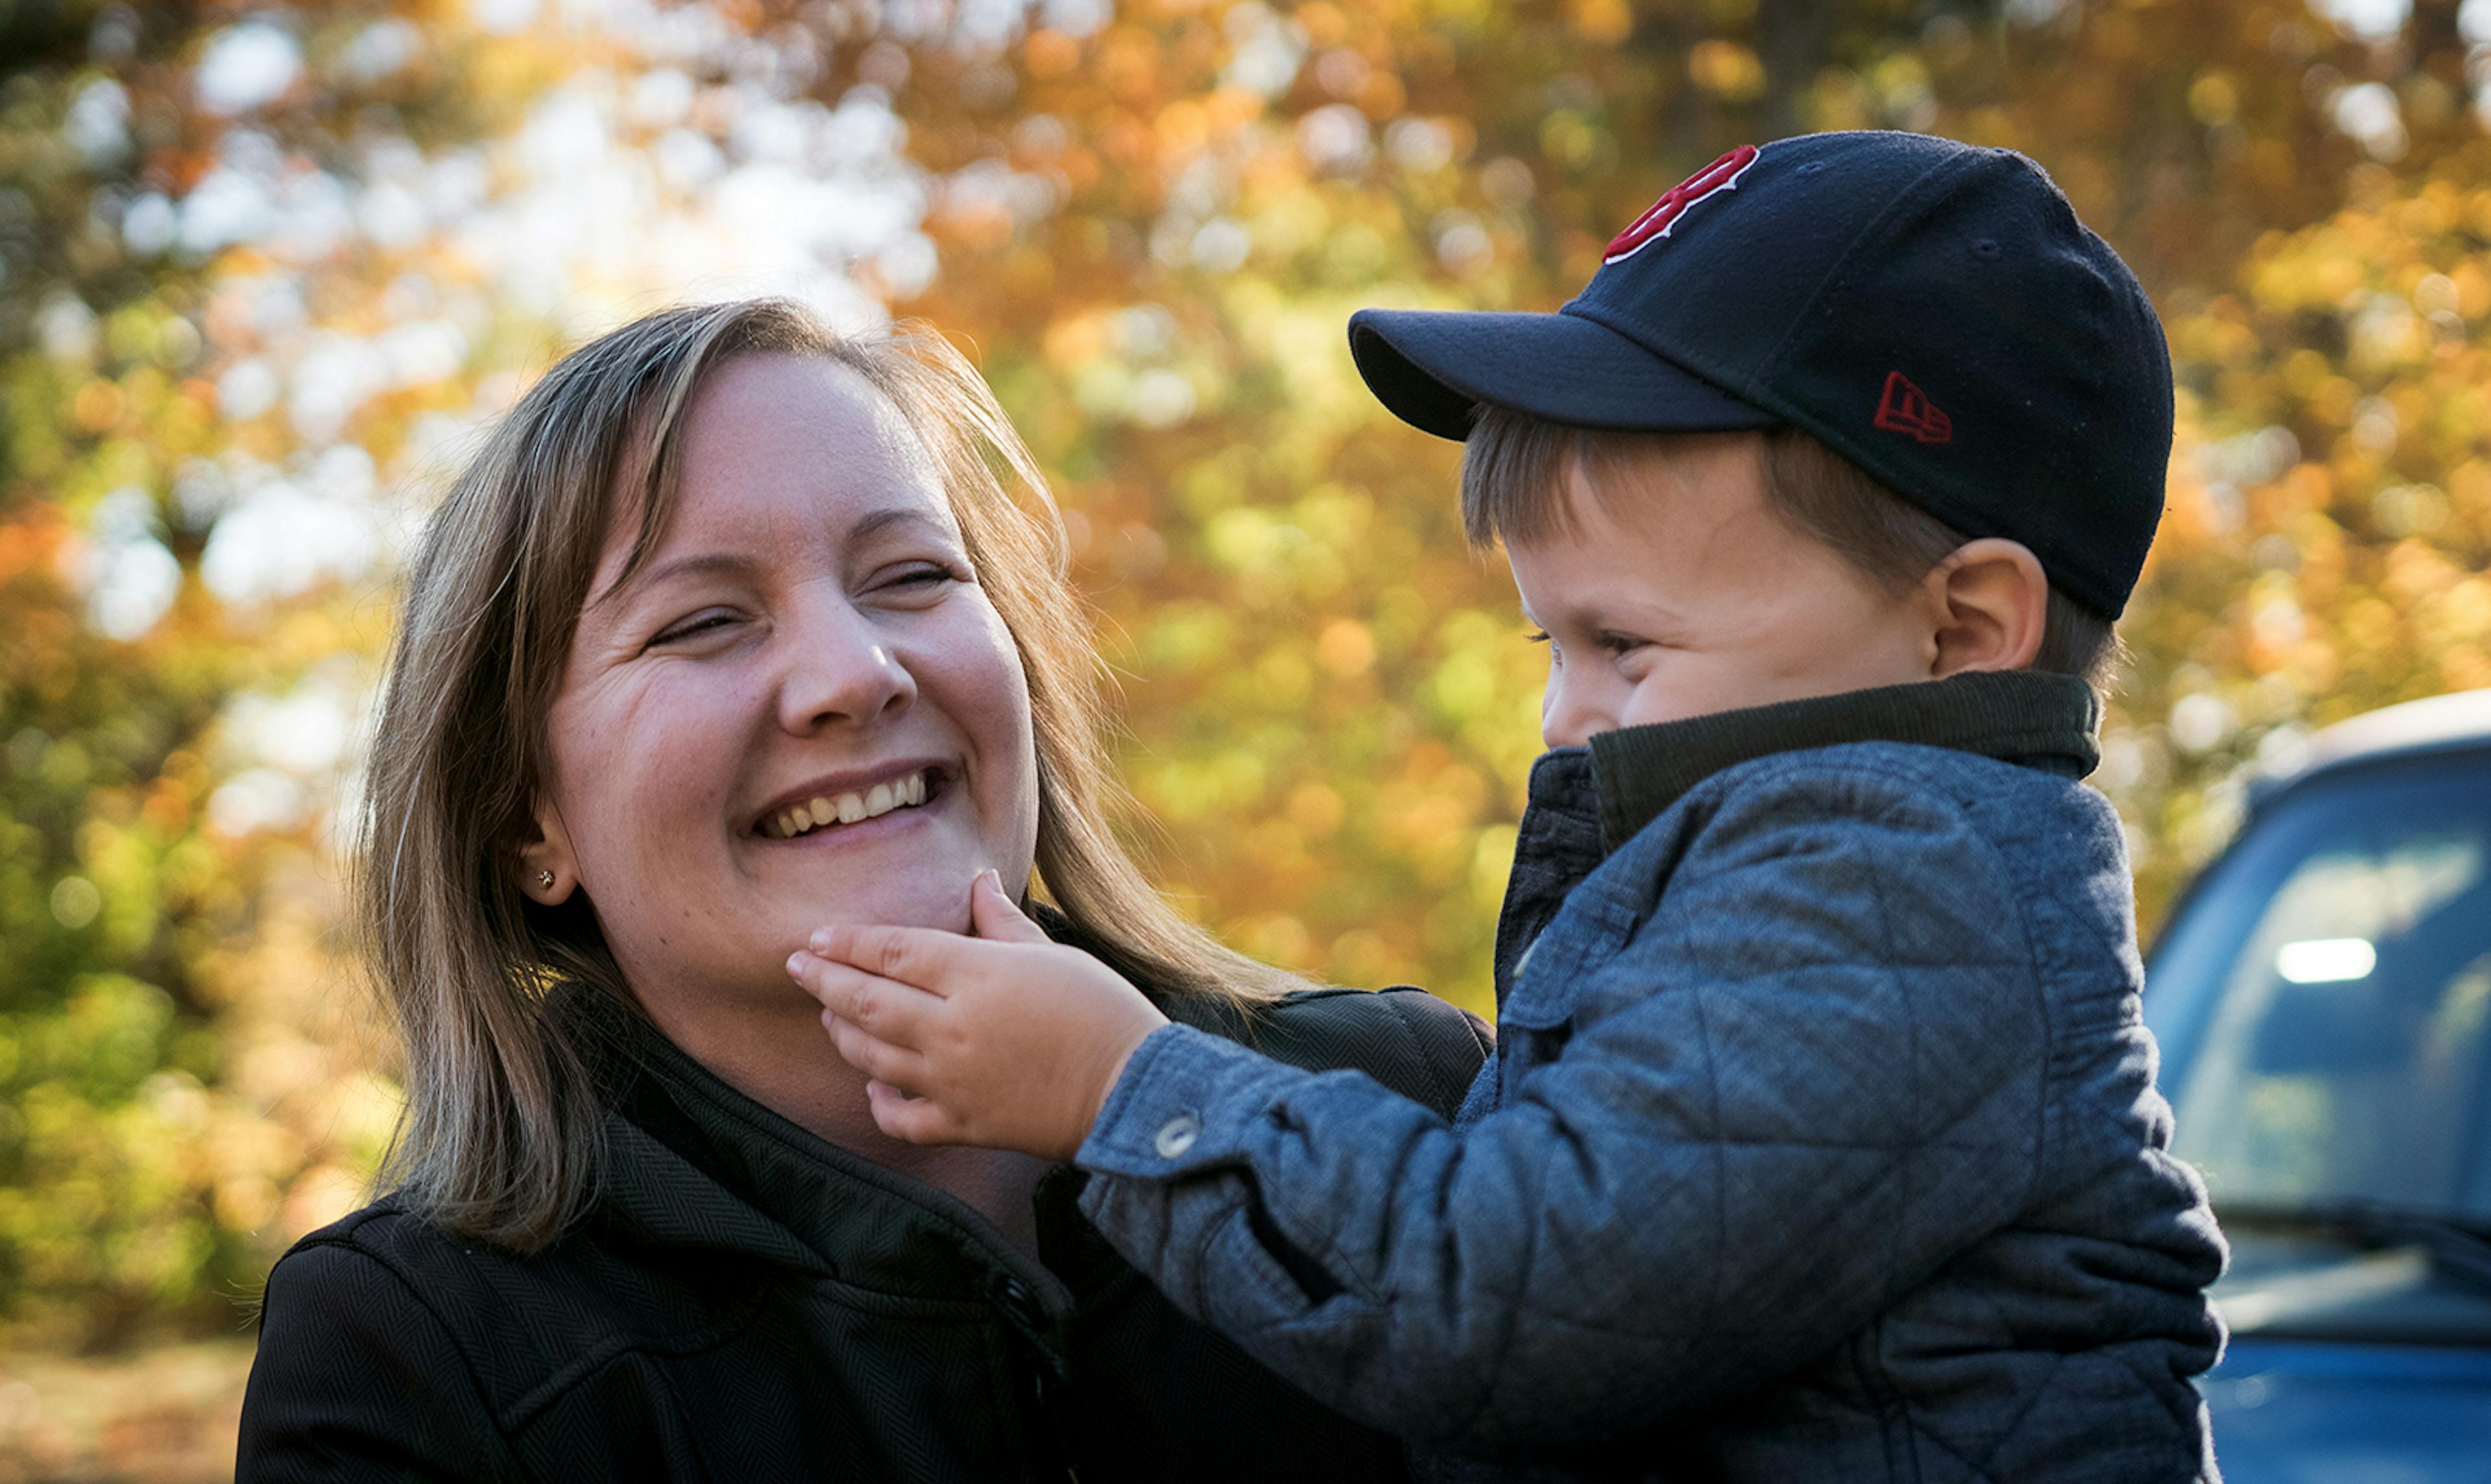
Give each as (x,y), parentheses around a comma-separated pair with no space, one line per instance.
(801,710)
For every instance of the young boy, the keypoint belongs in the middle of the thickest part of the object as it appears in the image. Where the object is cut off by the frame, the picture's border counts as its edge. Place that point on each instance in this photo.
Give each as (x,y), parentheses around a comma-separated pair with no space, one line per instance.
(1822,1139)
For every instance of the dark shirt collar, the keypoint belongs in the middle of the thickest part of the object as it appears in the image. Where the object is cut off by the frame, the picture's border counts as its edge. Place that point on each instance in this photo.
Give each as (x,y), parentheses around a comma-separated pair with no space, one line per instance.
(2024,717)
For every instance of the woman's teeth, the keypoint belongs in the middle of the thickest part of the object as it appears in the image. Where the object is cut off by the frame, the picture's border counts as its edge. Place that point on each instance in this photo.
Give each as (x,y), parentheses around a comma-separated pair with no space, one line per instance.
(844,808)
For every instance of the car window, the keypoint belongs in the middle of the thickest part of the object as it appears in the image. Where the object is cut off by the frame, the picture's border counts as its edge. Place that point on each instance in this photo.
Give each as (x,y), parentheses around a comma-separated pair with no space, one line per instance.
(2326,996)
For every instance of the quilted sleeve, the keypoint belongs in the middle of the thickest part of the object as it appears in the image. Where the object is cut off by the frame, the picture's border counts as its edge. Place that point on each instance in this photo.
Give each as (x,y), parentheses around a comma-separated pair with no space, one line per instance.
(1785,1095)
(357,1380)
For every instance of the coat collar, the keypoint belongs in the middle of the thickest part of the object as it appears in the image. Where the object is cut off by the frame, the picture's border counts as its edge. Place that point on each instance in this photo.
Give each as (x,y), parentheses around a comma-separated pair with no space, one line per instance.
(2023,717)
(695,1167)
(1586,801)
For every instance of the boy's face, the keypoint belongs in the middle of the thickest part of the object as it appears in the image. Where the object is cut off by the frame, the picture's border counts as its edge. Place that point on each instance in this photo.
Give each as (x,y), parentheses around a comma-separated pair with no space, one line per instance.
(1682,594)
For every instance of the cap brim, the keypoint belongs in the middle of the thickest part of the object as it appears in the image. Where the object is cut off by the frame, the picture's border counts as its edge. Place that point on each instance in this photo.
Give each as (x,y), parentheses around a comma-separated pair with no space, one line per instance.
(1434,368)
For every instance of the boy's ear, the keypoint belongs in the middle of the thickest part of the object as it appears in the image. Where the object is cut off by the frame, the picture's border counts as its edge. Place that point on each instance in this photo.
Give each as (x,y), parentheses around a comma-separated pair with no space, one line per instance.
(549,870)
(1990,600)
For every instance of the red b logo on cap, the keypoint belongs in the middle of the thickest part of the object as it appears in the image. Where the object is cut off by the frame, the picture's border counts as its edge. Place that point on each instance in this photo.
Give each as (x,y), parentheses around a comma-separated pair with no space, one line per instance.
(1722,174)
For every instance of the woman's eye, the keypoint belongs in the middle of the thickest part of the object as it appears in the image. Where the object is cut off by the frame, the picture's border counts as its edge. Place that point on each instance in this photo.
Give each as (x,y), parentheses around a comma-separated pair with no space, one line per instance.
(700,623)
(920,576)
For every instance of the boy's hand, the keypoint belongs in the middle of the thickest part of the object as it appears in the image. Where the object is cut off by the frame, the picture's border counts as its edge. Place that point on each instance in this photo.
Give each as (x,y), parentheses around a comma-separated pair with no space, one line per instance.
(1008,1040)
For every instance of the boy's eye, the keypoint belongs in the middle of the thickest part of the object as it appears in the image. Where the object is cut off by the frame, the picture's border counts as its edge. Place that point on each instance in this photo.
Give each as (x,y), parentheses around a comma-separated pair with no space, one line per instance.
(1536,636)
(1622,644)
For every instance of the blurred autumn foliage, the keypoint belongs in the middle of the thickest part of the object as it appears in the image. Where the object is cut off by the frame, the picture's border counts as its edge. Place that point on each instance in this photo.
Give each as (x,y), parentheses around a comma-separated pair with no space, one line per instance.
(264,270)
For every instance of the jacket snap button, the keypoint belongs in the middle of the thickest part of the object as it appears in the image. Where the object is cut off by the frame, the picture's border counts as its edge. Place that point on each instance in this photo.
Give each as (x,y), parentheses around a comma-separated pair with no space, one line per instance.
(1177,1135)
(1023,1304)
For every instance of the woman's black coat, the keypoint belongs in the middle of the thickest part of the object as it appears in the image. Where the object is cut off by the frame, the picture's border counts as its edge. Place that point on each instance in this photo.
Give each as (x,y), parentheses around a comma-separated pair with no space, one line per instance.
(745,1301)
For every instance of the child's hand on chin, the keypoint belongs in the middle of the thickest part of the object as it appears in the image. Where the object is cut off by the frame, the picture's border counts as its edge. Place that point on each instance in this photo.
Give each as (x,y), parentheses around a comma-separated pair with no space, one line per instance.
(1008,1040)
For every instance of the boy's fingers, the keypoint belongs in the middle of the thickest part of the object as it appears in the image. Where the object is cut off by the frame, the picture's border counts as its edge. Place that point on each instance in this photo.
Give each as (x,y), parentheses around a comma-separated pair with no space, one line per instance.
(994,915)
(919,956)
(914,1119)
(877,1058)
(891,1010)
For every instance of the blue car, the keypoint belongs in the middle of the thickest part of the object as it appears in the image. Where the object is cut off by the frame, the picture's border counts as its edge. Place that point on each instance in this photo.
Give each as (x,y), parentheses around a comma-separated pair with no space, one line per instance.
(2323,997)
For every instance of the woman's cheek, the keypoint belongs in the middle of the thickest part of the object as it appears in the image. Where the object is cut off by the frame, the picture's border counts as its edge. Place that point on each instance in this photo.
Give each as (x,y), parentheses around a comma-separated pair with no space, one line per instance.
(672,736)
(988,691)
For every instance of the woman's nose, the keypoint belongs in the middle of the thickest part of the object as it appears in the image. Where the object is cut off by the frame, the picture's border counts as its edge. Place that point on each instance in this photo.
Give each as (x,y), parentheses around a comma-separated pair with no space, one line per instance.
(840,669)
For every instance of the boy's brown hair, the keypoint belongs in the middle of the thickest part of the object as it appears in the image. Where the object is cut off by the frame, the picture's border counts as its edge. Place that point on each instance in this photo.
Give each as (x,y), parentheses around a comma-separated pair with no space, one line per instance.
(1513,479)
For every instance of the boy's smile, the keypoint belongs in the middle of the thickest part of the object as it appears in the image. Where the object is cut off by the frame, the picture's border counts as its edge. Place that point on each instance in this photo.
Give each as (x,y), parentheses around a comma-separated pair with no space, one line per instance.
(1676,593)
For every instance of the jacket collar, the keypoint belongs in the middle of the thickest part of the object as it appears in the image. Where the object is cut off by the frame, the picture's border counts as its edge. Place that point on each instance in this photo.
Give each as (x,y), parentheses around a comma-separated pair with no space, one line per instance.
(1586,801)
(2023,717)
(694,1165)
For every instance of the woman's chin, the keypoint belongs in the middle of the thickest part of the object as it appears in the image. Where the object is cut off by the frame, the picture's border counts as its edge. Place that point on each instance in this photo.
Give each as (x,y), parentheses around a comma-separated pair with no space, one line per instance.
(908,868)
(891,905)
(930,890)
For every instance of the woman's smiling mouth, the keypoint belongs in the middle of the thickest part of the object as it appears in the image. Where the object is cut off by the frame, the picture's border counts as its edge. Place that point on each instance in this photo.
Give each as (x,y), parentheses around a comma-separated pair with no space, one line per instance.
(824,811)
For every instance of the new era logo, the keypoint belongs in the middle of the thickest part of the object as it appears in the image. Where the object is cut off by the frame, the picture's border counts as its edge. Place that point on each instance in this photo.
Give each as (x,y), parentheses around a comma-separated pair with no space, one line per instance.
(1722,174)
(1907,409)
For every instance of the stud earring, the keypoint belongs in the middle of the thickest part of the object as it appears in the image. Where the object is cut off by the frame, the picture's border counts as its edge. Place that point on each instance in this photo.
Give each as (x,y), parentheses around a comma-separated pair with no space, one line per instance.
(544,879)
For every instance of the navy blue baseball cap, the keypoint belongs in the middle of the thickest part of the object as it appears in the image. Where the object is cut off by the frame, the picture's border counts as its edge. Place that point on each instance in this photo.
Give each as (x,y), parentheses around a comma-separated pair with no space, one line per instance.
(1932,312)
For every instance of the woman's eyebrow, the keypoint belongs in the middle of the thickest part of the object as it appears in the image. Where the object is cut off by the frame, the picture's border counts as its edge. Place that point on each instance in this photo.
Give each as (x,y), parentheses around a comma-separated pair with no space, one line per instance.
(676,566)
(734,564)
(875,522)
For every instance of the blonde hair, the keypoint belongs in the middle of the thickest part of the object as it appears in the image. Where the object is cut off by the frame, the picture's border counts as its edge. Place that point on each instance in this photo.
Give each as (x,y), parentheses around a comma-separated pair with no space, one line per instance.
(502,1137)
(1514,483)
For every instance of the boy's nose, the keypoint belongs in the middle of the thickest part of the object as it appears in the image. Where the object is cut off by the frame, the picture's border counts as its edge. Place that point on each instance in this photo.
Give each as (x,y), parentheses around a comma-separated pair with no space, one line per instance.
(1563,719)
(1564,736)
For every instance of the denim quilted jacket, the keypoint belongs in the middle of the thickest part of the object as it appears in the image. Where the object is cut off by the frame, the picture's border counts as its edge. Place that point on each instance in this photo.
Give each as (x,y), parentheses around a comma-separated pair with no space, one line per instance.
(1821,1142)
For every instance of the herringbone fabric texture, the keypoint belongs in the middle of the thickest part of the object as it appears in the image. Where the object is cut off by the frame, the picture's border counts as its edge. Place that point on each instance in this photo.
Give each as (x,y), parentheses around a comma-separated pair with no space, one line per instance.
(746,1302)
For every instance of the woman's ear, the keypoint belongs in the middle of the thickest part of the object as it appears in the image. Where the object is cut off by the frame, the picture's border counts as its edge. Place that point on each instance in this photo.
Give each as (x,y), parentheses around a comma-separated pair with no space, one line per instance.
(548,870)
(1990,600)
